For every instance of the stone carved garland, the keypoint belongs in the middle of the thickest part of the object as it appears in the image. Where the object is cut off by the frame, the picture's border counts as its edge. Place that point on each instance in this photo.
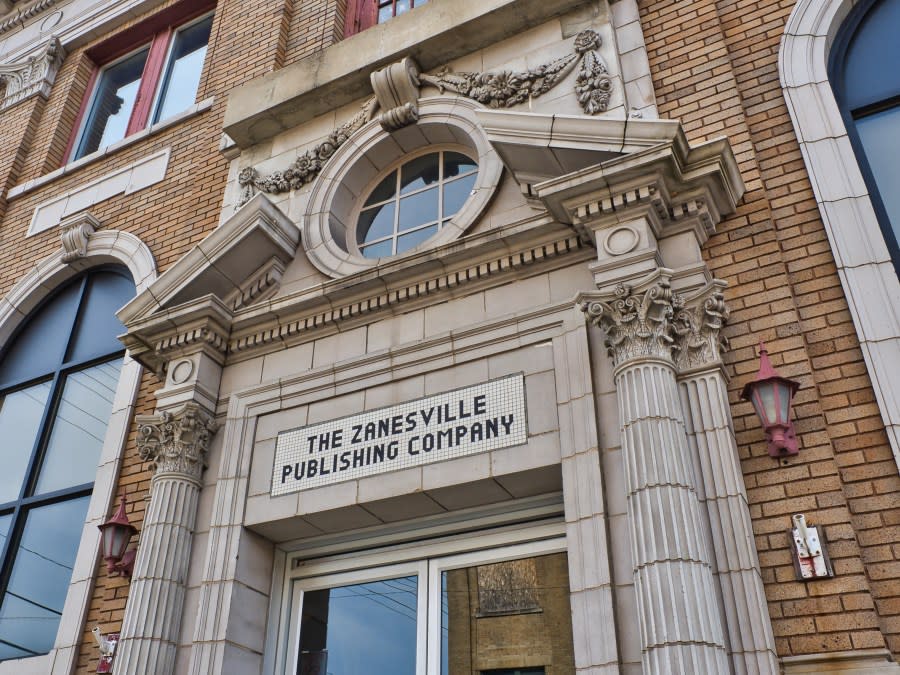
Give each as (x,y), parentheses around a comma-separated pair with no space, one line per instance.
(176,442)
(503,89)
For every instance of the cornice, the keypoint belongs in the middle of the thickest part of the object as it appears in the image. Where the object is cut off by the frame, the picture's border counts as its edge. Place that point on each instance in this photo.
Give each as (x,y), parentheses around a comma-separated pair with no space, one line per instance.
(229,335)
(22,14)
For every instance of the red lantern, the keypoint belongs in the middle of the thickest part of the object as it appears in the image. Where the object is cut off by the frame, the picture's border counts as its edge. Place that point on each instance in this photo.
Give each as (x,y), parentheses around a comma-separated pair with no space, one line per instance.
(771,396)
(115,534)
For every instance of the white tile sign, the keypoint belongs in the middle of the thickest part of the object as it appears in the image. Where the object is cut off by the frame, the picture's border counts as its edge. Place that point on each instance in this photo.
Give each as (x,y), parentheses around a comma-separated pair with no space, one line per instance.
(463,422)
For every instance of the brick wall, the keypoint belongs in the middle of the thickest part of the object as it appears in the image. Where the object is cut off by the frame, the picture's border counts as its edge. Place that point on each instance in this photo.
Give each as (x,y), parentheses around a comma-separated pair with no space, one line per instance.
(714,66)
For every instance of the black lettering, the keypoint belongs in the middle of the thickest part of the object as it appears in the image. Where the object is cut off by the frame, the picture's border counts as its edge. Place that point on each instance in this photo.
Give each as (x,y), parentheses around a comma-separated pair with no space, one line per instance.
(480,404)
(426,417)
(397,424)
(357,428)
(345,460)
(506,421)
(285,472)
(411,421)
(409,447)
(476,433)
(337,438)
(378,454)
(441,435)
(491,428)
(461,432)
(428,442)
(312,443)
(393,449)
(384,428)
(462,410)
(312,467)
(370,432)
(359,458)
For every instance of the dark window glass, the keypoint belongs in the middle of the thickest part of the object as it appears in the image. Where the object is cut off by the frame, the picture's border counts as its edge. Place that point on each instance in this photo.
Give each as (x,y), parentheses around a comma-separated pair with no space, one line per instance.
(869,96)
(52,432)
(113,103)
(179,87)
(409,206)
(360,629)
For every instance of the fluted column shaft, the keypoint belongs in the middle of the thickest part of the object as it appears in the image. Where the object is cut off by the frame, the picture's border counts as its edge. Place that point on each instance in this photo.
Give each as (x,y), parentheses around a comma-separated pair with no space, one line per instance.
(152,619)
(751,642)
(176,445)
(680,623)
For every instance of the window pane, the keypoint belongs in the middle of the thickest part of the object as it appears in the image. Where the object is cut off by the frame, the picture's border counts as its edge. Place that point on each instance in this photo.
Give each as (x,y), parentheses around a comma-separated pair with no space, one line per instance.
(179,88)
(456,193)
(418,209)
(419,173)
(413,239)
(402,6)
(39,348)
(880,136)
(20,417)
(360,629)
(376,222)
(32,605)
(456,164)
(385,12)
(79,428)
(98,326)
(385,190)
(113,102)
(379,250)
(875,44)
(508,617)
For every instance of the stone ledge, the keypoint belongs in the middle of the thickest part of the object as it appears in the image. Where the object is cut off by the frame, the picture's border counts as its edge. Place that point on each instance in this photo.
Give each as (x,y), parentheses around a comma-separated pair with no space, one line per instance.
(339,74)
(859,662)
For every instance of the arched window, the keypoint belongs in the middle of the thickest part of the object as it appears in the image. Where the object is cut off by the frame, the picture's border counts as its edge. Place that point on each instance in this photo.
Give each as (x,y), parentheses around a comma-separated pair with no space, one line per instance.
(866,83)
(58,376)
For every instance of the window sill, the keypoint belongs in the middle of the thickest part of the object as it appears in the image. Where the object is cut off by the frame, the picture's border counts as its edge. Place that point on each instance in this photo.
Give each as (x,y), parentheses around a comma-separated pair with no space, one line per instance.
(432,34)
(29,186)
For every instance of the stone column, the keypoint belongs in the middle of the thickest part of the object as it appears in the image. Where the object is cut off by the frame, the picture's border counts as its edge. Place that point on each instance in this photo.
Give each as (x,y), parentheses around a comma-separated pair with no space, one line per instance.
(176,444)
(680,622)
(720,483)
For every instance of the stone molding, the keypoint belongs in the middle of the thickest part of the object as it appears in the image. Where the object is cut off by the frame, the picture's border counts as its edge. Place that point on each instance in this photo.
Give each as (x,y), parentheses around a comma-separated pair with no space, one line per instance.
(75,231)
(35,75)
(867,273)
(638,323)
(176,442)
(23,14)
(697,324)
(397,92)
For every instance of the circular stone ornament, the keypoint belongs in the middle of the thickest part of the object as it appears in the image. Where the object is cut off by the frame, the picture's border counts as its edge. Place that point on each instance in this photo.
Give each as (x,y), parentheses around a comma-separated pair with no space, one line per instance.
(621,240)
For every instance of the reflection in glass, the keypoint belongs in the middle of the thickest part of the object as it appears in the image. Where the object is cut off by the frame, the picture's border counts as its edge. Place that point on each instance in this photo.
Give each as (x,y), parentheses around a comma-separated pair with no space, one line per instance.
(79,427)
(376,222)
(98,325)
(456,193)
(20,417)
(113,102)
(379,250)
(413,239)
(880,136)
(179,88)
(456,164)
(360,629)
(508,617)
(384,190)
(33,602)
(418,209)
(420,172)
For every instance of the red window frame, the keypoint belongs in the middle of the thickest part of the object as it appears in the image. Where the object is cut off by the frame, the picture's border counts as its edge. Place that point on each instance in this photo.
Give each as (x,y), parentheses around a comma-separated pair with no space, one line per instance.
(161,28)
(363,14)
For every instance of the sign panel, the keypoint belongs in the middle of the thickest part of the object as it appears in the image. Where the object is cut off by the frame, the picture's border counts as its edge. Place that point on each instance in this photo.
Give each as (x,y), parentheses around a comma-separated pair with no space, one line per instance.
(483,417)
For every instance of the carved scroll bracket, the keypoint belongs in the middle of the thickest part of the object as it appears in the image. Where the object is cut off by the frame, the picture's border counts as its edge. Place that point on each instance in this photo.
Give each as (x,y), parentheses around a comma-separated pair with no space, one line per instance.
(34,75)
(397,90)
(176,442)
(75,231)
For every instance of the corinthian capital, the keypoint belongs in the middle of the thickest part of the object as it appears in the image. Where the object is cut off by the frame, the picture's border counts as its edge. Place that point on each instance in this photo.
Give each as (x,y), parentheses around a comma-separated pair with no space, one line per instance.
(34,75)
(176,442)
(698,324)
(637,323)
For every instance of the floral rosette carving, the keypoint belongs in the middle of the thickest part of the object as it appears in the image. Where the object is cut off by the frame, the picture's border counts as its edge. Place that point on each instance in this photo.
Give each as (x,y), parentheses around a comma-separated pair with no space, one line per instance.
(698,328)
(637,325)
(176,442)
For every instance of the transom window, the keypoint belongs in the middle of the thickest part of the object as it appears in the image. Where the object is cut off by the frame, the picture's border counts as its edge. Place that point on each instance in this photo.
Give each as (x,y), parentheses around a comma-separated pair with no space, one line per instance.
(391,8)
(151,83)
(869,95)
(57,383)
(413,202)
(503,611)
(362,14)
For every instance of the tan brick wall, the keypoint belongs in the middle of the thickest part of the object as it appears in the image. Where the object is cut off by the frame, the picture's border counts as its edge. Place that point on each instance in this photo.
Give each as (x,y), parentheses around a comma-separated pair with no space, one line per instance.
(714,66)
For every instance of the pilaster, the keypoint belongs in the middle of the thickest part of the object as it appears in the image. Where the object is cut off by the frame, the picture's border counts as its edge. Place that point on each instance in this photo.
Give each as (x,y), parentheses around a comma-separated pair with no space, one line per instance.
(175,443)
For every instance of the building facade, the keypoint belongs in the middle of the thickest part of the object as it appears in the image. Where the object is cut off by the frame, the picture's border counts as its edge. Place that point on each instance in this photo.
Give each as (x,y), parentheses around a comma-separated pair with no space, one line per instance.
(415,335)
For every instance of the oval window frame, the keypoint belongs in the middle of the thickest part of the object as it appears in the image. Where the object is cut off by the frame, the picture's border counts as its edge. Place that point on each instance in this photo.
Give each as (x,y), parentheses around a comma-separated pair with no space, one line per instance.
(328,225)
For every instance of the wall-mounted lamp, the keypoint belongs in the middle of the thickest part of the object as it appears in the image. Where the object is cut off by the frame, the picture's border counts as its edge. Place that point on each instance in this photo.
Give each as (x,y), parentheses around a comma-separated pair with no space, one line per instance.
(771,396)
(115,534)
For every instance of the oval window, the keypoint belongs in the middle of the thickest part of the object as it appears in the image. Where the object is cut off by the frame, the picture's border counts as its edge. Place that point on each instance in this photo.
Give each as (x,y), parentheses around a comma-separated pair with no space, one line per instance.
(413,202)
